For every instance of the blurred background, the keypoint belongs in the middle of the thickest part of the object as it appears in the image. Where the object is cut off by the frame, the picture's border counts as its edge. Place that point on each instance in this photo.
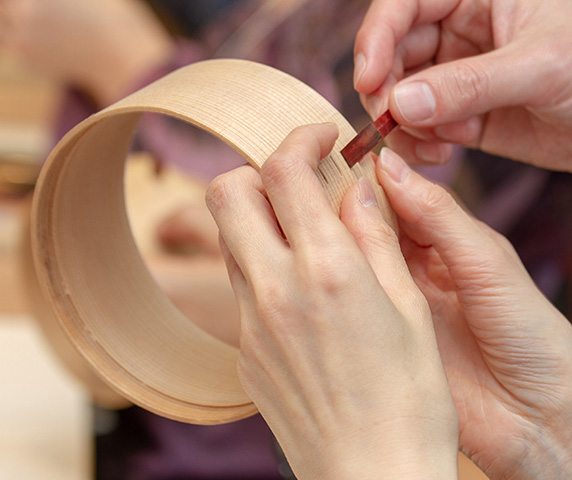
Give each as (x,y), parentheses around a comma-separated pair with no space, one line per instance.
(60,61)
(44,413)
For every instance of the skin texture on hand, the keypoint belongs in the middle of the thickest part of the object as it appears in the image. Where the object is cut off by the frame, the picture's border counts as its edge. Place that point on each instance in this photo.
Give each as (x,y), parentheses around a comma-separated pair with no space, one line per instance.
(339,357)
(102,47)
(506,350)
(494,75)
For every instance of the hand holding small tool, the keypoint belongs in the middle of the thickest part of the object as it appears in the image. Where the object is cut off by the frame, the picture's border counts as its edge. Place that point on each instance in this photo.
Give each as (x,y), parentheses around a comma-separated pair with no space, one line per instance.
(496,76)
(368,138)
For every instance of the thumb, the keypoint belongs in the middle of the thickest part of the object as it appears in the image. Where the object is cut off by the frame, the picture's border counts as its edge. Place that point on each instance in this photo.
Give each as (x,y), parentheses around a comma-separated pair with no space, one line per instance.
(380,245)
(430,216)
(458,90)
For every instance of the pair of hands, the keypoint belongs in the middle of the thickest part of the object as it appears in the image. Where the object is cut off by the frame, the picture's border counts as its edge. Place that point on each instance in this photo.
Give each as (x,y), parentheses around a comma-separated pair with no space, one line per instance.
(353,341)
(355,352)
(491,75)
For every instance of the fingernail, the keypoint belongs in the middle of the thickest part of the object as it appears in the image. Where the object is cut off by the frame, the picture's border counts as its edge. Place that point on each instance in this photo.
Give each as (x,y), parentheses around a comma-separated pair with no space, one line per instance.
(374,106)
(359,67)
(393,165)
(366,195)
(415,101)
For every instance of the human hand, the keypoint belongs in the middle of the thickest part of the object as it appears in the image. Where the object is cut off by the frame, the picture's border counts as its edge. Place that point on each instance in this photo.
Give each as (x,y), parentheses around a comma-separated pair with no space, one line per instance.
(490,75)
(101,47)
(506,350)
(339,357)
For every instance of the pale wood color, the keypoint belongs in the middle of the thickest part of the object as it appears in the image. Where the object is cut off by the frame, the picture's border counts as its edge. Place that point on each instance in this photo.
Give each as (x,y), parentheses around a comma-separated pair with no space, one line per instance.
(37,304)
(12,297)
(89,265)
(45,417)
(26,98)
(28,104)
(49,437)
(149,199)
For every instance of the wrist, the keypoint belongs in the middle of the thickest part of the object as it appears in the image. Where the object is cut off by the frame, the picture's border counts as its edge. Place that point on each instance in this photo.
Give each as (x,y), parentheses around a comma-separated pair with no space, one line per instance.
(400,451)
(407,459)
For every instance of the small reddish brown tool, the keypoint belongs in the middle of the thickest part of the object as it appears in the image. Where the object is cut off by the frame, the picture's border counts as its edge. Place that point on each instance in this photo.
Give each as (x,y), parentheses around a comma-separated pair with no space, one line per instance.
(369,137)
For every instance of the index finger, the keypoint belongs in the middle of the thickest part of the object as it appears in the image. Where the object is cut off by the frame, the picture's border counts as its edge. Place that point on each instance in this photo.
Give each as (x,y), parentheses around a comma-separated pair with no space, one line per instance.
(385,25)
(293,188)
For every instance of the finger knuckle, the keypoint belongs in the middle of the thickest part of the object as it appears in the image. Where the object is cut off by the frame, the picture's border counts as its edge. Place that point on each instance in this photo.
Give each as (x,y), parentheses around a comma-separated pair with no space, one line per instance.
(281,168)
(470,82)
(326,271)
(435,205)
(288,162)
(274,306)
(506,250)
(498,237)
(380,236)
(437,199)
(329,280)
(219,191)
(271,304)
(226,188)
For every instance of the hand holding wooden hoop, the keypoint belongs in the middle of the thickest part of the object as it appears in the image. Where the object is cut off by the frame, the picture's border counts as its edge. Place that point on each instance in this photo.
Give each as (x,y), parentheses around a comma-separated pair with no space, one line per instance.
(87,261)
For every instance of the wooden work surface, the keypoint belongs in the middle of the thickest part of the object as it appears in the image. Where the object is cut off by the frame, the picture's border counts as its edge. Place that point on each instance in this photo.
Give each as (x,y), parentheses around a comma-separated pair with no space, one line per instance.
(11,294)
(44,416)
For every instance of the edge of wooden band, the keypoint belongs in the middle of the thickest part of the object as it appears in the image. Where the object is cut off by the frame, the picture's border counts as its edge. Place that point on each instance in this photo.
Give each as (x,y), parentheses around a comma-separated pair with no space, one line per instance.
(87,261)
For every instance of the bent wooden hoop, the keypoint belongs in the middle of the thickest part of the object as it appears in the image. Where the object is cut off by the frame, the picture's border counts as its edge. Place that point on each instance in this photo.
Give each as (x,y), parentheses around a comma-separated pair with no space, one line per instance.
(86,258)
(41,309)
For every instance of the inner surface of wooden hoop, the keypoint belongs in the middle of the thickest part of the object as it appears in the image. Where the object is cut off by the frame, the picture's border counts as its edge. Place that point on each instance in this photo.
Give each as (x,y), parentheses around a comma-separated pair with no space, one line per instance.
(116,314)
(87,259)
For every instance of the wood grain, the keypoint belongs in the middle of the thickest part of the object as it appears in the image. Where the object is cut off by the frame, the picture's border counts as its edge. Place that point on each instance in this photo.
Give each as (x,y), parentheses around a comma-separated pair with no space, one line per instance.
(89,266)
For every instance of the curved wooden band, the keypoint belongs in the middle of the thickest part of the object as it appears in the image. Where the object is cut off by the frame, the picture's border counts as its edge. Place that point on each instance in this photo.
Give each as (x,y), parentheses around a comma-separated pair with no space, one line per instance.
(86,258)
